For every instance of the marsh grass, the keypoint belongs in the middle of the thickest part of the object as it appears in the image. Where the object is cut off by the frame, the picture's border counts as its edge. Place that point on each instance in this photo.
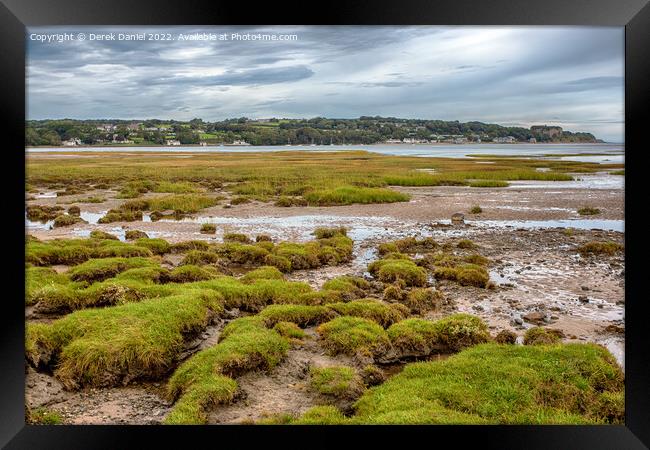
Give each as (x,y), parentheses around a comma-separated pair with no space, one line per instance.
(600,248)
(323,178)
(102,347)
(207,377)
(502,384)
(352,335)
(347,195)
(588,211)
(339,382)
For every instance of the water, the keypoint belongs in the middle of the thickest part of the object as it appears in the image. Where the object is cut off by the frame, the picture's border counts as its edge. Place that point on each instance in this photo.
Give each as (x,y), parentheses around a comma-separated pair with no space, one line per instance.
(580,224)
(614,152)
(599,180)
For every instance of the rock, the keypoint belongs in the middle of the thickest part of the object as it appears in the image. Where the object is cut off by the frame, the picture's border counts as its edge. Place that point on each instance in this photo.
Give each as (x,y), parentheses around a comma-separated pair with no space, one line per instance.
(583,299)
(584,288)
(536,318)
(458,219)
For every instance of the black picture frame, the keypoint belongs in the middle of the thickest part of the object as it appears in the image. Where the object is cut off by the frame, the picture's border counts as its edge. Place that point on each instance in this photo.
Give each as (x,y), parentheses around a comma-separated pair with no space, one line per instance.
(15,15)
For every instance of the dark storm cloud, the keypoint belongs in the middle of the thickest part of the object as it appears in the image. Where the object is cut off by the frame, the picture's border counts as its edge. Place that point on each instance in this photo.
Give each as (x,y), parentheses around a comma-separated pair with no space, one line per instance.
(572,76)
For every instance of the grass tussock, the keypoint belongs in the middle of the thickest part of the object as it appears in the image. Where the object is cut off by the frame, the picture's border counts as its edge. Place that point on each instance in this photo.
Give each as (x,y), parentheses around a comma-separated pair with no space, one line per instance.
(404,270)
(600,248)
(408,245)
(588,211)
(385,314)
(348,195)
(98,234)
(65,220)
(420,337)
(339,382)
(353,335)
(102,269)
(206,378)
(542,336)
(208,228)
(76,251)
(105,347)
(502,384)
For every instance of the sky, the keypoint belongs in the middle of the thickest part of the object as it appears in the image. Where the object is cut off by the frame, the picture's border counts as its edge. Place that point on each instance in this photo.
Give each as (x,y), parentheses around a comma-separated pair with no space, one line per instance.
(572,77)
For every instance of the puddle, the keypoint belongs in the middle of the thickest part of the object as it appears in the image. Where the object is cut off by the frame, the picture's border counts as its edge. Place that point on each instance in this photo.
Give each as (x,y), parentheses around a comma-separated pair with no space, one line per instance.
(92,218)
(580,224)
(600,180)
(46,195)
(359,228)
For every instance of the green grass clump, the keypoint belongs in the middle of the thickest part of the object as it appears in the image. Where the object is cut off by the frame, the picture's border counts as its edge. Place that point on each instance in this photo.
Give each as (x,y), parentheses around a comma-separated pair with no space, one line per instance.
(105,347)
(253,296)
(347,195)
(240,200)
(183,203)
(489,183)
(464,274)
(466,244)
(208,228)
(98,234)
(236,237)
(206,378)
(65,220)
(263,273)
(289,330)
(392,270)
(199,257)
(287,202)
(600,248)
(501,384)
(476,210)
(76,251)
(588,211)
(617,172)
(132,235)
(324,232)
(156,245)
(120,215)
(321,415)
(461,330)
(338,382)
(301,315)
(102,269)
(175,188)
(42,416)
(421,300)
(43,213)
(541,336)
(189,273)
(243,254)
(382,313)
(38,278)
(420,337)
(351,335)
(349,287)
(181,247)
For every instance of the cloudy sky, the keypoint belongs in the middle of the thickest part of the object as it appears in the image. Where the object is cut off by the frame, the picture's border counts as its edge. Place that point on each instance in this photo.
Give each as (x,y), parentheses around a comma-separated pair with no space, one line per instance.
(566,76)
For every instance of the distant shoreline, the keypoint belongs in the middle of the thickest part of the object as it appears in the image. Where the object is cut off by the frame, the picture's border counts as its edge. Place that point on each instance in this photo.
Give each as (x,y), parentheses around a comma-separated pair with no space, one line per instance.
(320,145)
